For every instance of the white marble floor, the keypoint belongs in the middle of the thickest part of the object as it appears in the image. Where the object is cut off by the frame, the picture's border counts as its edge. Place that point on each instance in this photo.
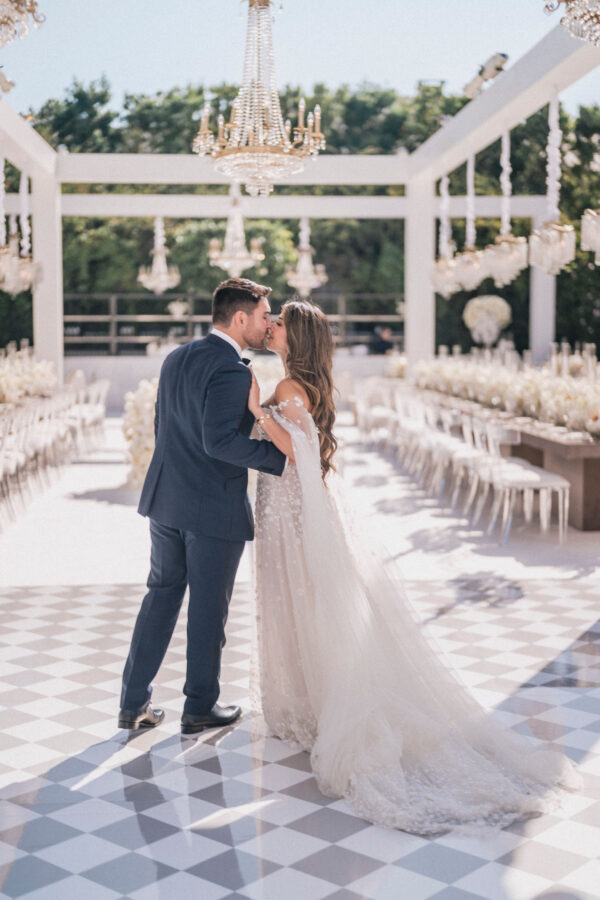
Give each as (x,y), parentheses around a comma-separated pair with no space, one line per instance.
(88,811)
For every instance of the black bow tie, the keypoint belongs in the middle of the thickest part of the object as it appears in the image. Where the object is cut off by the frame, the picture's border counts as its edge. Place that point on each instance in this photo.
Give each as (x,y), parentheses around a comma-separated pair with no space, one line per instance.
(247,361)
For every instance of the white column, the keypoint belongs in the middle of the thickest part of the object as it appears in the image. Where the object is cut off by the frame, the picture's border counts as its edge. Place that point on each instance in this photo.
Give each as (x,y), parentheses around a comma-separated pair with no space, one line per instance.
(47,253)
(419,253)
(542,311)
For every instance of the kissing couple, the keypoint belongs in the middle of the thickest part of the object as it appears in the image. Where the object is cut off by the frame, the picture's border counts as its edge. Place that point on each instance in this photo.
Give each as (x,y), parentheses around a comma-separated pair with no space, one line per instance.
(343,667)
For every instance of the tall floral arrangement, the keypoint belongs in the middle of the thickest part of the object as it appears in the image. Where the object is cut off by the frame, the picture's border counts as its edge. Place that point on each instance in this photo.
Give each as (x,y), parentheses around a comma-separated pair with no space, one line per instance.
(485,317)
(138,428)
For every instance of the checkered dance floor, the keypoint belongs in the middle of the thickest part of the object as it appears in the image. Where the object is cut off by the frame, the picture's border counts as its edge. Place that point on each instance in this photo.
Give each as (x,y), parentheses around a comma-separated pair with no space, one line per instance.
(89,812)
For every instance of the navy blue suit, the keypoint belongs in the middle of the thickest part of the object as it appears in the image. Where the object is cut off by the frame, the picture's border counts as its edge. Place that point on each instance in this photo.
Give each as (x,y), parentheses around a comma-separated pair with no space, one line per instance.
(200,516)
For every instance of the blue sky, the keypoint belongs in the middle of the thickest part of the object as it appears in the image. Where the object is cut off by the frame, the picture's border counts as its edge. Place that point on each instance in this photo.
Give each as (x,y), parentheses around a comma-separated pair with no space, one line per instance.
(144,46)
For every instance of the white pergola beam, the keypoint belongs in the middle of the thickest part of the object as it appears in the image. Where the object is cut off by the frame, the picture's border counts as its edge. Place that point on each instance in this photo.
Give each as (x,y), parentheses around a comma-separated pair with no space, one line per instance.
(181,168)
(551,65)
(198,206)
(419,251)
(22,145)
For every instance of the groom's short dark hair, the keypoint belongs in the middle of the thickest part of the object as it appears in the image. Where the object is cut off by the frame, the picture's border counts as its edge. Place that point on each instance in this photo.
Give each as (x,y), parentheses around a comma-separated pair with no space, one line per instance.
(234,294)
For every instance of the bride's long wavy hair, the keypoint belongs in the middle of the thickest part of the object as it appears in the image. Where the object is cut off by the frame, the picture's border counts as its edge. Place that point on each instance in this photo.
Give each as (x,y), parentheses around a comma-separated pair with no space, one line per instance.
(309,362)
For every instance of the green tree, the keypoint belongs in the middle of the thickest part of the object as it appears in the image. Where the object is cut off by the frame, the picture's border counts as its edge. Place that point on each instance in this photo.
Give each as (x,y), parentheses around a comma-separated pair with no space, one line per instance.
(81,121)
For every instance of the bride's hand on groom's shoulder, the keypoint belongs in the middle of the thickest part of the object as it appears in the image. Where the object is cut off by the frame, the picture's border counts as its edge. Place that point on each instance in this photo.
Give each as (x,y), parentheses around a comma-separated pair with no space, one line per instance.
(254,397)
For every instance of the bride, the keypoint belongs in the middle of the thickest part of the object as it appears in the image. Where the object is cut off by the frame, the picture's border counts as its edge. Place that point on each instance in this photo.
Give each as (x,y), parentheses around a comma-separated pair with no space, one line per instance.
(343,667)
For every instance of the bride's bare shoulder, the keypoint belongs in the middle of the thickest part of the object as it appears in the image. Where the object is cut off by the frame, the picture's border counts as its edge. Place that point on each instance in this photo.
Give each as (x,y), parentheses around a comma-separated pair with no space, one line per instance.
(287,389)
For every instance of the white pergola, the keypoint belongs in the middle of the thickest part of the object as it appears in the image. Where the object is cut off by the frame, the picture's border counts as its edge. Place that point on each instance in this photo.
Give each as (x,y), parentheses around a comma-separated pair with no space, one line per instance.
(552,65)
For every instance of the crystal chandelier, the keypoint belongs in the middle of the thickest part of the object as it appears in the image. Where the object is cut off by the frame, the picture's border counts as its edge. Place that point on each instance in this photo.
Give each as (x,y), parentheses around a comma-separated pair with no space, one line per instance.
(14,19)
(507,256)
(27,266)
(590,232)
(552,246)
(256,148)
(11,274)
(233,256)
(160,277)
(471,264)
(306,277)
(581,18)
(17,270)
(443,274)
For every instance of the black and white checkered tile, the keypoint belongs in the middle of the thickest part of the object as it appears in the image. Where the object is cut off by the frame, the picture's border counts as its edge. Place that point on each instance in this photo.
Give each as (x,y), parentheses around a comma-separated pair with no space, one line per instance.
(90,812)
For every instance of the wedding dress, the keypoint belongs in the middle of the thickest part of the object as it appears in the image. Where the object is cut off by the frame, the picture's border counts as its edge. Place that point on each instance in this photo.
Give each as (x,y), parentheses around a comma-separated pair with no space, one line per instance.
(343,669)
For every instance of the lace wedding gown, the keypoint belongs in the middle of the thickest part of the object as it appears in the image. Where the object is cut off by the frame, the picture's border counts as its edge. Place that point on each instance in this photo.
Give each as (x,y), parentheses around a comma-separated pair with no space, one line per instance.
(343,669)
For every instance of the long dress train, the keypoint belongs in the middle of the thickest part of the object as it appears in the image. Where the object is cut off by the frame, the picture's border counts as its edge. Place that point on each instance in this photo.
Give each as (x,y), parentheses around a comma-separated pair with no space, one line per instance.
(343,669)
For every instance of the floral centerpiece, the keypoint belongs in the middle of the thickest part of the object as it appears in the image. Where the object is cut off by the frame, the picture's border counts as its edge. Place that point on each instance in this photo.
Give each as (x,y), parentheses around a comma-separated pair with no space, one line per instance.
(485,317)
(23,376)
(394,365)
(564,401)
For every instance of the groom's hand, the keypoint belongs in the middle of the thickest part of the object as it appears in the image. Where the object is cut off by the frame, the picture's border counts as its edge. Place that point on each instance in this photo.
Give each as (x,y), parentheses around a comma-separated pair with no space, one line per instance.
(254,397)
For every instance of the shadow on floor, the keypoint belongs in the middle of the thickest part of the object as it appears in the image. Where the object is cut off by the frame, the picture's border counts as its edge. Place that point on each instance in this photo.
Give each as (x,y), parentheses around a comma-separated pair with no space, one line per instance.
(122,495)
(79,779)
(480,588)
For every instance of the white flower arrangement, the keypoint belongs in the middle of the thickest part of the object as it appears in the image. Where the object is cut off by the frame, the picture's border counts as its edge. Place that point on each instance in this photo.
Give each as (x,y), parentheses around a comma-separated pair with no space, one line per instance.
(22,376)
(394,365)
(485,317)
(569,402)
(178,308)
(138,428)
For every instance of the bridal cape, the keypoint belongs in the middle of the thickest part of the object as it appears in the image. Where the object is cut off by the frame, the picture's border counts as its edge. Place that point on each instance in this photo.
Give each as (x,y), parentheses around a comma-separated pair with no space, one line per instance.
(343,669)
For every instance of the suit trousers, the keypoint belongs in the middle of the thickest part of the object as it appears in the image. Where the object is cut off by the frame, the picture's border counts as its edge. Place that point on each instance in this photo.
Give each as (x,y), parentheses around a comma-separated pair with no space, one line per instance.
(178,559)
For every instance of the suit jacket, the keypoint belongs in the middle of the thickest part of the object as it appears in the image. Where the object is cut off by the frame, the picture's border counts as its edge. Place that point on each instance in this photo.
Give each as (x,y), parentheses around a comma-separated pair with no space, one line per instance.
(198,474)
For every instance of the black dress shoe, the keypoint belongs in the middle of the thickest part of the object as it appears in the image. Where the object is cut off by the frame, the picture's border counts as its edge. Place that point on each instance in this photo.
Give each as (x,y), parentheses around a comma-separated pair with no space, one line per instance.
(218,716)
(146,717)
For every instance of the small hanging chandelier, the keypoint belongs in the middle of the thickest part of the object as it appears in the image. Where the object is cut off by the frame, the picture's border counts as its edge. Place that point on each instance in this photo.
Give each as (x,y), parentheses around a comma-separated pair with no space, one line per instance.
(507,256)
(552,246)
(16,277)
(443,274)
(160,277)
(27,266)
(471,264)
(581,18)
(590,232)
(18,272)
(11,275)
(233,256)
(256,148)
(306,277)
(14,19)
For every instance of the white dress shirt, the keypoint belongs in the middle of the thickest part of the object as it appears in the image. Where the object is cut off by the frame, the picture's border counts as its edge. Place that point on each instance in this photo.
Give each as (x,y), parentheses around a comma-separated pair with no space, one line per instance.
(229,339)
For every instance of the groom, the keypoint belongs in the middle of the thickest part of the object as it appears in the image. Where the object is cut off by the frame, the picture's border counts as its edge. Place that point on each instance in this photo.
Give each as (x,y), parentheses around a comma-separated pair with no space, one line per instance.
(195,497)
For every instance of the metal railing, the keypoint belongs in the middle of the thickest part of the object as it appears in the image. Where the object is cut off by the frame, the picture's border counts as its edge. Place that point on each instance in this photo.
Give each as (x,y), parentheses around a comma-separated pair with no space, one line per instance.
(111,327)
